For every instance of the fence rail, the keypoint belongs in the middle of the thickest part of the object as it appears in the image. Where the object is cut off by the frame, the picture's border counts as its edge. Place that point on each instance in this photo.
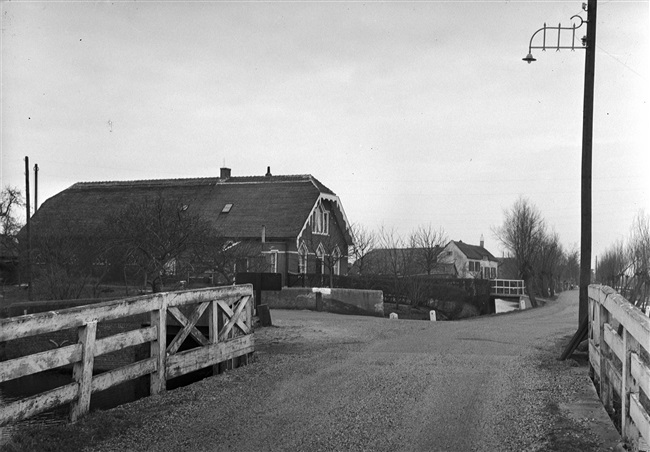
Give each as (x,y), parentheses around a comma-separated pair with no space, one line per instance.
(507,287)
(619,347)
(226,312)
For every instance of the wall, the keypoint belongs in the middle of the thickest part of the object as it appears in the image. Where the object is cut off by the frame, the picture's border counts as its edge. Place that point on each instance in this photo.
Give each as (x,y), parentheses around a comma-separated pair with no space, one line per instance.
(338,301)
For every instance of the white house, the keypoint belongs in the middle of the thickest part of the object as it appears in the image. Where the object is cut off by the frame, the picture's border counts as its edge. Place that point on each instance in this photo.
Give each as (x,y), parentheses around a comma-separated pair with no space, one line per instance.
(471,261)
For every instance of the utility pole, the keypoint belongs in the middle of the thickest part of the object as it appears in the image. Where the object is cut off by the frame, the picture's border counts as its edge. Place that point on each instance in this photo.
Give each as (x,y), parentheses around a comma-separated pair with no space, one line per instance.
(587,134)
(35,188)
(589,44)
(27,228)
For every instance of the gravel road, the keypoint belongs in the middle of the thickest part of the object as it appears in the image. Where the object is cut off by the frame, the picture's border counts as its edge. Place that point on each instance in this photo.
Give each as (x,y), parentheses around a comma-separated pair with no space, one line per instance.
(325,382)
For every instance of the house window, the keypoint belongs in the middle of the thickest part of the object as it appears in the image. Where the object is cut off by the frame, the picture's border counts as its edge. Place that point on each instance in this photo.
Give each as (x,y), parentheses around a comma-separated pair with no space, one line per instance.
(273,261)
(320,221)
(336,256)
(320,260)
(302,259)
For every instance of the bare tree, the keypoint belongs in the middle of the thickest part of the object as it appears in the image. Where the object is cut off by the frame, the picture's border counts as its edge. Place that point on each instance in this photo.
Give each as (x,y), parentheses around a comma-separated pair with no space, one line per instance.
(393,259)
(572,265)
(522,234)
(10,199)
(613,265)
(639,255)
(428,242)
(66,263)
(364,241)
(548,263)
(154,234)
(391,244)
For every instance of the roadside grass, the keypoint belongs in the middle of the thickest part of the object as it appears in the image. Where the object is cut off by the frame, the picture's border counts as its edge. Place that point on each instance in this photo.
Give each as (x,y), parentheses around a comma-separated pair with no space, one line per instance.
(93,428)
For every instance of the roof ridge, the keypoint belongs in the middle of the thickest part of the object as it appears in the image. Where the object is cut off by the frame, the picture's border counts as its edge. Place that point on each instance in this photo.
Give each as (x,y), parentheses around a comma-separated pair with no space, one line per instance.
(278,178)
(148,181)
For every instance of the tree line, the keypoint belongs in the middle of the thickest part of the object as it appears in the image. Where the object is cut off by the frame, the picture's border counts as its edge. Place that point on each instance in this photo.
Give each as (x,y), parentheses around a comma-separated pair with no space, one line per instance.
(625,264)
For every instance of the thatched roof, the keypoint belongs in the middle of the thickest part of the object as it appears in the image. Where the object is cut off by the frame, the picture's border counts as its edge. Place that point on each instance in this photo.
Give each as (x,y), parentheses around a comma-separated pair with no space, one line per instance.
(282,204)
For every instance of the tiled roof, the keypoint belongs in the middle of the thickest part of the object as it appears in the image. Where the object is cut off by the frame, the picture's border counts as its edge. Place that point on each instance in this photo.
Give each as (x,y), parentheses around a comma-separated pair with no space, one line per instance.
(474,252)
(279,203)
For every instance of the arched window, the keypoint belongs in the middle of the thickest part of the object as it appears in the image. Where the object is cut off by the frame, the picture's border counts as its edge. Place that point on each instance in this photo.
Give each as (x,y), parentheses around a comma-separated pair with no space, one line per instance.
(336,257)
(320,259)
(302,258)
(320,221)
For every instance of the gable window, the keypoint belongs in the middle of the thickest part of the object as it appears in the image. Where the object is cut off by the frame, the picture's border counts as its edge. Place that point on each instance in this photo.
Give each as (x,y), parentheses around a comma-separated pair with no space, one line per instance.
(320,221)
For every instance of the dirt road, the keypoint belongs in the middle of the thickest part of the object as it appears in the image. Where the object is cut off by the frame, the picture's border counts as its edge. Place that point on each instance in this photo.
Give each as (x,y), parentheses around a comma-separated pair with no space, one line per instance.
(324,382)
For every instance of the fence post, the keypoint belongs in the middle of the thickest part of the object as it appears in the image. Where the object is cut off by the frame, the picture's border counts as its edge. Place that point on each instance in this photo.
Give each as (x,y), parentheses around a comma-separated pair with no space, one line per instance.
(213,328)
(630,385)
(158,349)
(83,371)
(605,385)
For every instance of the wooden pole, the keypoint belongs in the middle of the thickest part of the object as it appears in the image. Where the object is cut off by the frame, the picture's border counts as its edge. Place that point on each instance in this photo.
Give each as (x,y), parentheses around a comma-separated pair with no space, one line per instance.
(28,230)
(587,135)
(35,188)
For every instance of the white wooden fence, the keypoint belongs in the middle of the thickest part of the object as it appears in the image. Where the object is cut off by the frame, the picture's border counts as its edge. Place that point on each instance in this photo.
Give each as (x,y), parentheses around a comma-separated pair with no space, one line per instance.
(229,322)
(507,287)
(619,347)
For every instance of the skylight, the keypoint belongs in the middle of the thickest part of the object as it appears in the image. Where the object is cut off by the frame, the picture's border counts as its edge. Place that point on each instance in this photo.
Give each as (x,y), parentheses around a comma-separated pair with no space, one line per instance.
(226,208)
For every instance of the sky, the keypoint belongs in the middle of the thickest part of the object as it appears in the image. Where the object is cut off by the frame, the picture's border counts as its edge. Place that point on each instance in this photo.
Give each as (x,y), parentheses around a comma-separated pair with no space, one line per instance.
(414,113)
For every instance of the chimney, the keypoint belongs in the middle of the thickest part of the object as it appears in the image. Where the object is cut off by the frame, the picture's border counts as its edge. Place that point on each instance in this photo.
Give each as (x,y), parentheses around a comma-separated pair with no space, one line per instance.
(482,241)
(268,171)
(225,173)
(263,234)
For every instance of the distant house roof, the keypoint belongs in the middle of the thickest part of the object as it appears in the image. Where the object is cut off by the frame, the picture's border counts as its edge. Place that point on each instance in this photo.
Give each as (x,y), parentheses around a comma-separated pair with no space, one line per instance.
(236,206)
(382,260)
(474,252)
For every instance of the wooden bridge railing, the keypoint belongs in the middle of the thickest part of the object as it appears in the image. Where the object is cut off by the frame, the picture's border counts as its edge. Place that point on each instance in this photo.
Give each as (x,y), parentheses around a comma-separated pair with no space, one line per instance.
(619,347)
(226,312)
(507,287)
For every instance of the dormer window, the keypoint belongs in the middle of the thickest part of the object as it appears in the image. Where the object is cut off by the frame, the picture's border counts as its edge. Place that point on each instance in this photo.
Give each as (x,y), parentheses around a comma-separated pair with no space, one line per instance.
(320,221)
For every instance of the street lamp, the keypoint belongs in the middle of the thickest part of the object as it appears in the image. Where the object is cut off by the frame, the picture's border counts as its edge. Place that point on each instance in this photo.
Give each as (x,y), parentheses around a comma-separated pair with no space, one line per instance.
(589,44)
(558,46)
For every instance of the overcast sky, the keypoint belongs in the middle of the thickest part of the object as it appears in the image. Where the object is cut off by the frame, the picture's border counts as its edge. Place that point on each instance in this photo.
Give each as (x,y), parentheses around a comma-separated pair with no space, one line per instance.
(414,113)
